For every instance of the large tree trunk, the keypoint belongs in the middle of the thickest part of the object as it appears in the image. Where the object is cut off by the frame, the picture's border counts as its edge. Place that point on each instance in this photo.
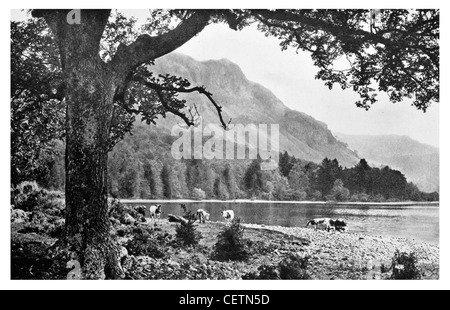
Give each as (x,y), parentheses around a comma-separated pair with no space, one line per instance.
(89,89)
(89,99)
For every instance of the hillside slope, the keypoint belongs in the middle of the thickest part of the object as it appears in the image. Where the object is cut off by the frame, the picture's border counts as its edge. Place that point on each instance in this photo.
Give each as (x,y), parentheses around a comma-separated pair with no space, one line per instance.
(246,102)
(418,161)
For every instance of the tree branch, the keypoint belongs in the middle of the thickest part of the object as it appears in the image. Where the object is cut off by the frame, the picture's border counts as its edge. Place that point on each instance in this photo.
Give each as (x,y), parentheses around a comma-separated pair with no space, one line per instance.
(146,48)
(265,16)
(189,121)
(200,90)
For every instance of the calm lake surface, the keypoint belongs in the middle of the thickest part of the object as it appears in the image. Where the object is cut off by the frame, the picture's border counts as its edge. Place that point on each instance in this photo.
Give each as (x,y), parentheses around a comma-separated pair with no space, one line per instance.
(412,222)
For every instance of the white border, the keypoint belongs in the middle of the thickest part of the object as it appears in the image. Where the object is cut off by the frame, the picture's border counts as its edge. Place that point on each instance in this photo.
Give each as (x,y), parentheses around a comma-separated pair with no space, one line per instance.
(5,283)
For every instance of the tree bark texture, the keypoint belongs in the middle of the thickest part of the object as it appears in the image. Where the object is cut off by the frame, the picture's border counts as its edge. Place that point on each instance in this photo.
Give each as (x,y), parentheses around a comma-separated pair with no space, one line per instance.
(89,89)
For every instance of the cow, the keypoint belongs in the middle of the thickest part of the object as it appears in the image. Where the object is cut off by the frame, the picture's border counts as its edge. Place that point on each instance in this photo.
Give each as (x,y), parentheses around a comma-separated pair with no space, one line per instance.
(329,224)
(202,215)
(228,215)
(154,212)
(339,225)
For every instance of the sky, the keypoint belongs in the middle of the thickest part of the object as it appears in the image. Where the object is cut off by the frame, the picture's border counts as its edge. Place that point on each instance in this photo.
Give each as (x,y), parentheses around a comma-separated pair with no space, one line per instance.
(290,76)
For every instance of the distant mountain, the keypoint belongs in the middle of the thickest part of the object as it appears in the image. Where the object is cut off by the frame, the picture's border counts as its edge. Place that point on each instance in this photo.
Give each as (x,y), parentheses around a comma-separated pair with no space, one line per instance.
(418,161)
(247,102)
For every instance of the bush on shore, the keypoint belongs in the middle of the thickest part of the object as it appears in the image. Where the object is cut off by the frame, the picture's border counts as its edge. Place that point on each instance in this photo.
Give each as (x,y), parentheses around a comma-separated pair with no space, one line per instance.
(147,242)
(404,266)
(230,243)
(186,232)
(292,267)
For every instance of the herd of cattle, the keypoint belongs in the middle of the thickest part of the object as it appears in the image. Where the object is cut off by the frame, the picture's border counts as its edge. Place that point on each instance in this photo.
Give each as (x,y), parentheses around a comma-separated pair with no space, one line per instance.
(154,212)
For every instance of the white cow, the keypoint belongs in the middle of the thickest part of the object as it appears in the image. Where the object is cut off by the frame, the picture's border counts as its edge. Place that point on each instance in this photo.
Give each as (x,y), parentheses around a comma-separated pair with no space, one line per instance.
(154,211)
(202,215)
(228,215)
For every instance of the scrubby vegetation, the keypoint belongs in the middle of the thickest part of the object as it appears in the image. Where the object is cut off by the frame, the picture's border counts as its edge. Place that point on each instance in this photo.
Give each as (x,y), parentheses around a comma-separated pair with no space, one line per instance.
(231,244)
(147,242)
(294,267)
(404,267)
(291,267)
(186,232)
(264,272)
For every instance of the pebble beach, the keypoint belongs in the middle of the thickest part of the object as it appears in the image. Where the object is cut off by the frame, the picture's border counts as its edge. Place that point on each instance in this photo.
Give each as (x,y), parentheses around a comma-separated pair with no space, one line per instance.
(335,249)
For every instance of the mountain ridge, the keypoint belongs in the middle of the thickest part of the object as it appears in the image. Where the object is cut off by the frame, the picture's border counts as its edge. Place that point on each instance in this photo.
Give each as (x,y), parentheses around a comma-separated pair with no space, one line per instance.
(245,102)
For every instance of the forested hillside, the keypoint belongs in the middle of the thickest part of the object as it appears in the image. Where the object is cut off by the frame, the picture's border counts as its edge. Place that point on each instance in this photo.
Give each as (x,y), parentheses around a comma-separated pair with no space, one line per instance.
(418,161)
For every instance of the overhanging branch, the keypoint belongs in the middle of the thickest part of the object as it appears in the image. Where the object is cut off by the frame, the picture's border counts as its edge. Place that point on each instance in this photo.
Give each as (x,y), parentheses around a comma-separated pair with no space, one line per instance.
(199,89)
(146,48)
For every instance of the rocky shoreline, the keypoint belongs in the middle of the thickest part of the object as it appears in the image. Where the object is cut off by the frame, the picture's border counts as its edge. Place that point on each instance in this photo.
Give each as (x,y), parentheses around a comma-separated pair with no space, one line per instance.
(151,249)
(332,249)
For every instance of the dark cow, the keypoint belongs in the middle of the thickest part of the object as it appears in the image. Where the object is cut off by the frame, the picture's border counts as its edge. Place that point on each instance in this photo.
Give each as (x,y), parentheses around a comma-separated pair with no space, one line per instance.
(329,224)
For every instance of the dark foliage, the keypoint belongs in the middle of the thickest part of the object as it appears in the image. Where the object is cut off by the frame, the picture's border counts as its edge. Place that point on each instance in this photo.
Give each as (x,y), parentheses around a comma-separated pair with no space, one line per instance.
(37,113)
(286,163)
(404,266)
(265,272)
(253,177)
(294,267)
(230,243)
(148,242)
(186,232)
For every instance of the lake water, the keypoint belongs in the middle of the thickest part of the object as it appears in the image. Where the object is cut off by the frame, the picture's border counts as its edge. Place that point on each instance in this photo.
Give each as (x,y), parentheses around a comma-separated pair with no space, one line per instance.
(413,222)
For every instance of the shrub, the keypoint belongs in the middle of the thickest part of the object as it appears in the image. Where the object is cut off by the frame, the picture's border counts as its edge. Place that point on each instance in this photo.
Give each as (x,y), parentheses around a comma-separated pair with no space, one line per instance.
(294,267)
(186,232)
(265,272)
(230,243)
(146,242)
(404,266)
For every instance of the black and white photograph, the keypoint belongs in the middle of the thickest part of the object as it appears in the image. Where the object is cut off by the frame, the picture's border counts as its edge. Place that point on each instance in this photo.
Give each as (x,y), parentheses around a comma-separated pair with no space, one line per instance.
(224,144)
